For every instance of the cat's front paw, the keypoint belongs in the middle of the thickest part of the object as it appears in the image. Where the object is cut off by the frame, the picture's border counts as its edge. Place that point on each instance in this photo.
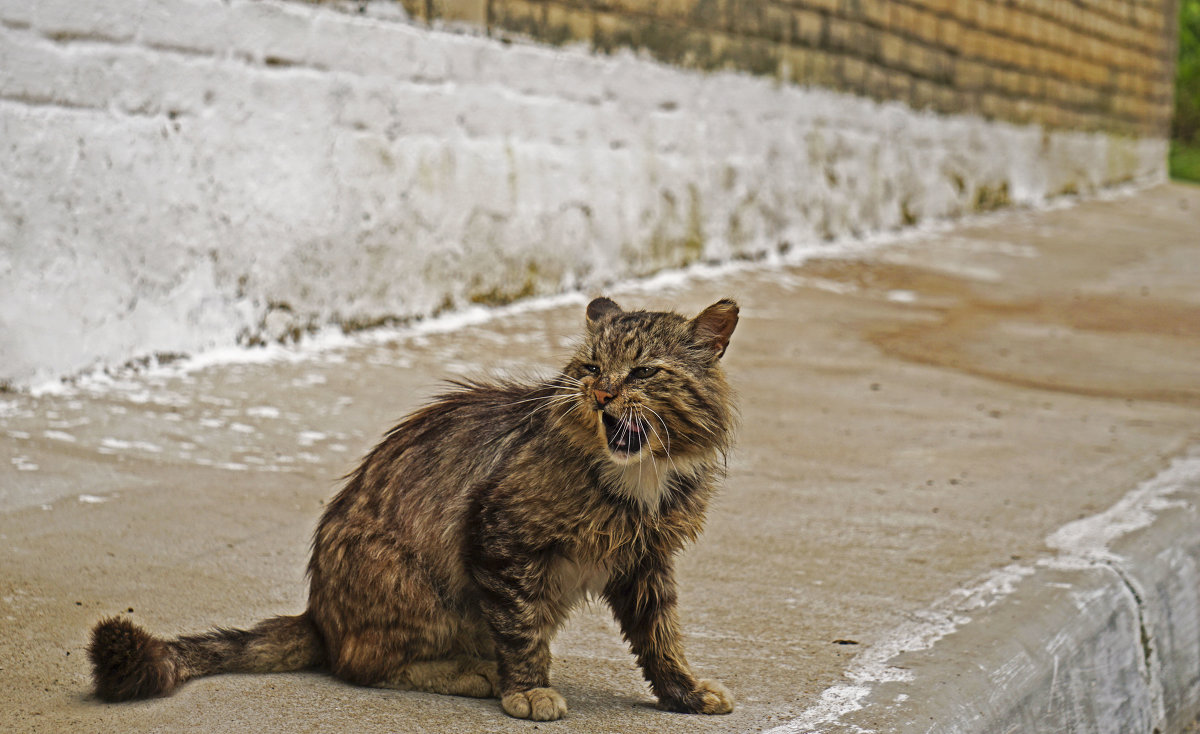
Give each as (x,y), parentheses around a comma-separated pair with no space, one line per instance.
(538,704)
(708,697)
(714,697)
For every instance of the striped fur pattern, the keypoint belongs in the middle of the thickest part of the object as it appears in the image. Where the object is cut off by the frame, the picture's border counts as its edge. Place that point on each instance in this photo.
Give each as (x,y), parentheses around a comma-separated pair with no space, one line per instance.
(461,543)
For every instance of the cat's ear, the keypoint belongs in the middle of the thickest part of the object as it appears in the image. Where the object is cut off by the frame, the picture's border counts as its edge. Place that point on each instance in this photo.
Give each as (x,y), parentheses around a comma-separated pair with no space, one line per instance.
(601,308)
(715,324)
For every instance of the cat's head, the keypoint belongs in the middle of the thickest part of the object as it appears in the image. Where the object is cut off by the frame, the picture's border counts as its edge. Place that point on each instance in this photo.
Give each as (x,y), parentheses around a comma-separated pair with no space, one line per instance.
(651,384)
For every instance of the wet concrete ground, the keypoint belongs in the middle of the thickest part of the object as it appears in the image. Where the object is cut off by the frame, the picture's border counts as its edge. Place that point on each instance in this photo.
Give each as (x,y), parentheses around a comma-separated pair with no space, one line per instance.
(913,417)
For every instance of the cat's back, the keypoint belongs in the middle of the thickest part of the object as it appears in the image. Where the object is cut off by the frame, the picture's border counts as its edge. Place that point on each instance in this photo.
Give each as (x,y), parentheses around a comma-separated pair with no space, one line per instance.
(435,455)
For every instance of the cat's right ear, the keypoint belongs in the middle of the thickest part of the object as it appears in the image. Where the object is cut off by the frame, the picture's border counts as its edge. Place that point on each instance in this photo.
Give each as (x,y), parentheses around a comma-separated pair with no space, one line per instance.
(715,324)
(601,308)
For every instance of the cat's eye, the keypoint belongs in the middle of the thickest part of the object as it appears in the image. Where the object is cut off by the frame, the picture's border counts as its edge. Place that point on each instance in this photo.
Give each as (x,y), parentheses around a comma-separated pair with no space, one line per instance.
(641,373)
(591,369)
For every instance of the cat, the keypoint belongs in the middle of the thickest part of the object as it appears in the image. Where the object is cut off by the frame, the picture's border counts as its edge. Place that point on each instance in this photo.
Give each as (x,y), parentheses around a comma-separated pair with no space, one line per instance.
(460,544)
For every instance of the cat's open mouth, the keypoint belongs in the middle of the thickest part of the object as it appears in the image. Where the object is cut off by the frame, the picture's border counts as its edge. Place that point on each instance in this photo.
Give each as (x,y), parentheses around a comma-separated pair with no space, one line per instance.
(625,435)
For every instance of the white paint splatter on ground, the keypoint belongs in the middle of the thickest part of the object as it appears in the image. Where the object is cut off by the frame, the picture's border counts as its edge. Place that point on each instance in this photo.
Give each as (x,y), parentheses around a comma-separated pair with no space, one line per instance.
(24,463)
(116,444)
(901,296)
(308,438)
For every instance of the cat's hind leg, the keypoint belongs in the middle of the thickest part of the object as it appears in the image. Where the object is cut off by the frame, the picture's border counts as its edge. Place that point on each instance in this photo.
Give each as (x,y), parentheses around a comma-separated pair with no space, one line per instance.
(460,676)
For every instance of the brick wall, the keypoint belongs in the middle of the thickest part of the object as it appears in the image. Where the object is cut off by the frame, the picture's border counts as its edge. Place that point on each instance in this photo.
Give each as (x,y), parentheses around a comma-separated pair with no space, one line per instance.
(1079,64)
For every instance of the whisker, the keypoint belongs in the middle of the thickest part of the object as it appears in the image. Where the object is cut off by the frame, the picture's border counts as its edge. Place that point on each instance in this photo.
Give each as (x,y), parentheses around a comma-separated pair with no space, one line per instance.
(552,403)
(664,425)
(573,406)
(656,435)
(555,396)
(650,449)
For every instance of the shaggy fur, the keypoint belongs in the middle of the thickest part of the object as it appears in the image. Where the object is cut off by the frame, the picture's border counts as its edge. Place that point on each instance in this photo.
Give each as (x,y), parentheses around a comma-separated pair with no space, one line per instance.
(460,544)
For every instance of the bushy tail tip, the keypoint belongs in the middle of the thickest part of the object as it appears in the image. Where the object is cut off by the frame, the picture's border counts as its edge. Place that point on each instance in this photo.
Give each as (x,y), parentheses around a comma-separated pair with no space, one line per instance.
(129,663)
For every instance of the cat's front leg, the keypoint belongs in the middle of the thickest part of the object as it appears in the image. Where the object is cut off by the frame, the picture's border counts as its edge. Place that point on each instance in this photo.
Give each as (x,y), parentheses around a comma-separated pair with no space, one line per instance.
(522,647)
(643,601)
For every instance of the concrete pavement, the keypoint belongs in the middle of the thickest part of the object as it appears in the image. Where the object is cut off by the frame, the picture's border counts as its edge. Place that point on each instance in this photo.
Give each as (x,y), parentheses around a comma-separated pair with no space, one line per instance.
(964,498)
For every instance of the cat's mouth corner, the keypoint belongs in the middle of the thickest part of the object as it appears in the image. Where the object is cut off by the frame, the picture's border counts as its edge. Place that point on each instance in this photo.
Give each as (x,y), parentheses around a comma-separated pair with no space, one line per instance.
(625,436)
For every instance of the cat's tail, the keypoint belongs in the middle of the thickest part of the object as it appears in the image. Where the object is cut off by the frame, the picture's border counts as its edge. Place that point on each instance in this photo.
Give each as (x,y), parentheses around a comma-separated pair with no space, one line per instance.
(128,662)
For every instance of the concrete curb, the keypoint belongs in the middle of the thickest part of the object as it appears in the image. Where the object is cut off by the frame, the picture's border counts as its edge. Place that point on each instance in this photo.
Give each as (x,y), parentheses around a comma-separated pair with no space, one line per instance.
(1104,636)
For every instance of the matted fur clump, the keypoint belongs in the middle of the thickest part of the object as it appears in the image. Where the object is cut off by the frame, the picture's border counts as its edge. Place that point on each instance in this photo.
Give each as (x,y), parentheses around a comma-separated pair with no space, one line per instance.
(460,544)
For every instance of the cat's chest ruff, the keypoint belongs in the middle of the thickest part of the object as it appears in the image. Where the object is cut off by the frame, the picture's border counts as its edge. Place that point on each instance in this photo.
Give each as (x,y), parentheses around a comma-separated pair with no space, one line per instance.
(647,482)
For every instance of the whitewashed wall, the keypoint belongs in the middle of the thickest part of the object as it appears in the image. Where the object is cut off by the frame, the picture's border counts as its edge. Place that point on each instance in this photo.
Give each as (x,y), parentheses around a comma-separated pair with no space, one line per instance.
(181,174)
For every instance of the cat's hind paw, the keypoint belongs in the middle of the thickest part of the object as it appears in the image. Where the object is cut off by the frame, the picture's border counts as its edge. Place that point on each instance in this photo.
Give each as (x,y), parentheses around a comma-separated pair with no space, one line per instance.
(538,704)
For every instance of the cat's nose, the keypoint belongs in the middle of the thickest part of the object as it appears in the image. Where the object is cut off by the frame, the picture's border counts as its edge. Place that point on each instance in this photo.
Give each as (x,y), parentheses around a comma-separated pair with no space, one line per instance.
(602,397)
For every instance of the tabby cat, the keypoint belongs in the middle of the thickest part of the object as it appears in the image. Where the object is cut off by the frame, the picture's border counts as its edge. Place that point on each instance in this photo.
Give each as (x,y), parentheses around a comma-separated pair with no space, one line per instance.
(458,547)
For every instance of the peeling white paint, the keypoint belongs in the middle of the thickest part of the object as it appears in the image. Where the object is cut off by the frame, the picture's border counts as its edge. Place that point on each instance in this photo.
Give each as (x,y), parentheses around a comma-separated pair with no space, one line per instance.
(871,666)
(1082,544)
(422,169)
(1085,542)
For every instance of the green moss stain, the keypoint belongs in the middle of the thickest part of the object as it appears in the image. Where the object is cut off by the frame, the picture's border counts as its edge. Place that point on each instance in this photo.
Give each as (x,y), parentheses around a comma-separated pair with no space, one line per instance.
(1070,188)
(513,289)
(693,242)
(988,198)
(1121,162)
(676,238)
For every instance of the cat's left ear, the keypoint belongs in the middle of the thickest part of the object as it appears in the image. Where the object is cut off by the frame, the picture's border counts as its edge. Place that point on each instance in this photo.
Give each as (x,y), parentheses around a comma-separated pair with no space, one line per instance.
(715,324)
(600,308)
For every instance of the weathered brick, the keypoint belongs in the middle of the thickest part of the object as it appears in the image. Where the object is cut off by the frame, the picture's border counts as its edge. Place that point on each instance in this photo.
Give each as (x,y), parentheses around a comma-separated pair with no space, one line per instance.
(839,34)
(899,85)
(809,27)
(853,72)
(1029,56)
(778,24)
(921,59)
(465,11)
(416,9)
(949,33)
(830,6)
(969,75)
(674,9)
(565,24)
(826,70)
(875,82)
(520,16)
(891,49)
(875,11)
(798,61)
(924,94)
